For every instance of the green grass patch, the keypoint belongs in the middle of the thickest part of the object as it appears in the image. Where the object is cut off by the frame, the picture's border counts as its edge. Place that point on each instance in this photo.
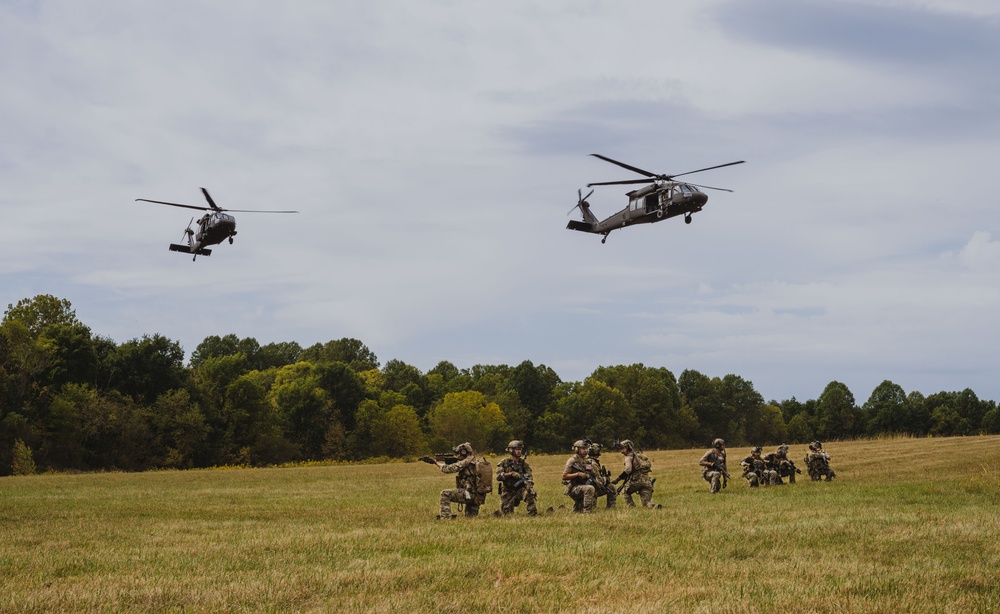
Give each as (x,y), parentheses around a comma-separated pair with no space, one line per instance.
(908,525)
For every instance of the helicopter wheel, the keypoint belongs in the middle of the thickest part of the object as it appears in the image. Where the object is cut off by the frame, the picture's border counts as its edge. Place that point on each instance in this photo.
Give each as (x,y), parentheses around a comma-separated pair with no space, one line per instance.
(659,213)
(687,219)
(230,240)
(604,240)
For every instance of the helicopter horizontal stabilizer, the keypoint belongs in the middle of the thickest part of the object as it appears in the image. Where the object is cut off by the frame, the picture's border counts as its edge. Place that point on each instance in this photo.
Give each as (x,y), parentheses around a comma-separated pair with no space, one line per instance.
(174,247)
(581,226)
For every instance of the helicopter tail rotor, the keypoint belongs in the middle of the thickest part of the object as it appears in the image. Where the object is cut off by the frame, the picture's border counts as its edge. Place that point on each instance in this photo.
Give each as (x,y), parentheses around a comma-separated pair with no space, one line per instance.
(584,207)
(187,231)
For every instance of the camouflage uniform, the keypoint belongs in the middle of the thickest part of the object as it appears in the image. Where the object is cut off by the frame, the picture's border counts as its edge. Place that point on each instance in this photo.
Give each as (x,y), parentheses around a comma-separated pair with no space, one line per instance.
(757,471)
(636,480)
(818,463)
(511,496)
(771,469)
(465,483)
(580,489)
(786,468)
(602,478)
(713,458)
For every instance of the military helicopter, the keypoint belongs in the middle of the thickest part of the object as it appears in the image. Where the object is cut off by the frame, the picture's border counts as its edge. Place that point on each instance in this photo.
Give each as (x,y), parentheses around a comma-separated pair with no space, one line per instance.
(213,228)
(663,199)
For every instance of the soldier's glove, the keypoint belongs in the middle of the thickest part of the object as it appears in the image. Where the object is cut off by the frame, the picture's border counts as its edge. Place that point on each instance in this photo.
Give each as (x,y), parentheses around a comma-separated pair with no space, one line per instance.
(621,477)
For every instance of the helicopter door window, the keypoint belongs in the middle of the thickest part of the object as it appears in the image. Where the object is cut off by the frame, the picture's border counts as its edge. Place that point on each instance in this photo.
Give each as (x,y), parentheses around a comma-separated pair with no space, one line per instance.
(652,201)
(634,204)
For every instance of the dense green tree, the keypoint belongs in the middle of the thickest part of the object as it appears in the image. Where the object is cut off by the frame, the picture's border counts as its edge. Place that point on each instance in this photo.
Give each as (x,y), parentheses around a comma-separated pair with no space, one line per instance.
(180,429)
(41,312)
(654,396)
(276,355)
(799,429)
(701,394)
(146,368)
(920,414)
(398,374)
(887,410)
(991,422)
(469,416)
(311,416)
(399,434)
(23,462)
(598,411)
(345,388)
(838,415)
(533,386)
(550,433)
(350,351)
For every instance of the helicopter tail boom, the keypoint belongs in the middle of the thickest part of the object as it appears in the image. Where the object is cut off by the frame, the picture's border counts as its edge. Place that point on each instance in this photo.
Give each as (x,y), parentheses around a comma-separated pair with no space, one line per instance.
(581,226)
(174,247)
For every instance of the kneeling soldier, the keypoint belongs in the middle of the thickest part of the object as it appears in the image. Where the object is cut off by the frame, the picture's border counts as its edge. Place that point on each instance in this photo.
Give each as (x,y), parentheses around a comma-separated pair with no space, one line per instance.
(636,475)
(603,486)
(578,476)
(514,480)
(466,478)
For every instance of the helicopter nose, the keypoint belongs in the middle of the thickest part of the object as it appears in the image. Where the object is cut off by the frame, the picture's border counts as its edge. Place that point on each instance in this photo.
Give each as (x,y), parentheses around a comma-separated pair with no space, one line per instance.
(699,198)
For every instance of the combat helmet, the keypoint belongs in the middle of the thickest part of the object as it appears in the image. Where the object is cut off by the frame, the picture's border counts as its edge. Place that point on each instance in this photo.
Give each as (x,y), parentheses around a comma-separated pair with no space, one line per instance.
(756,450)
(464,447)
(514,445)
(580,443)
(595,449)
(626,444)
(718,443)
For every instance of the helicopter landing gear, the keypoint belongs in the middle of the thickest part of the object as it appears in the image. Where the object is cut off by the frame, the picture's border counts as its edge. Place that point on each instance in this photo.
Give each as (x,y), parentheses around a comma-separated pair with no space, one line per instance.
(604,239)
(687,219)
(230,240)
(659,214)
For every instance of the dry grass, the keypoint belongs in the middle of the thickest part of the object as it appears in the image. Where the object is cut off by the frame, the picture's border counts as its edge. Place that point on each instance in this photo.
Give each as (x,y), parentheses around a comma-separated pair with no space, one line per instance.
(909,525)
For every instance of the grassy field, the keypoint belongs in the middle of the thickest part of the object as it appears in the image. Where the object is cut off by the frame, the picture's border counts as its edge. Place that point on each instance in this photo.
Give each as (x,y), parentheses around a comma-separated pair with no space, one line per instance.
(910,525)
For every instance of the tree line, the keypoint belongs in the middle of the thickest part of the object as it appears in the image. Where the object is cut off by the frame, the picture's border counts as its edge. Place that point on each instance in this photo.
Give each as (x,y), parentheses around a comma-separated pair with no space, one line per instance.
(71,400)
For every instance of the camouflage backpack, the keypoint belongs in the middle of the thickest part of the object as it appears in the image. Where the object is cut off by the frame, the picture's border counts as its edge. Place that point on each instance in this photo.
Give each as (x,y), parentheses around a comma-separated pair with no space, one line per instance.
(642,463)
(482,480)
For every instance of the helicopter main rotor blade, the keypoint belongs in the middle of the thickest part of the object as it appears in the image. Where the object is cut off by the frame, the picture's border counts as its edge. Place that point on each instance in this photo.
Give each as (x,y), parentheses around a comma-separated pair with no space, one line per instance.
(256,211)
(708,187)
(705,169)
(209,199)
(623,165)
(160,202)
(625,182)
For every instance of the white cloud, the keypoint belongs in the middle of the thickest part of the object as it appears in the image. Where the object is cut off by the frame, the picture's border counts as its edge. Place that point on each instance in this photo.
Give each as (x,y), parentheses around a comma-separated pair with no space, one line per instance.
(433,151)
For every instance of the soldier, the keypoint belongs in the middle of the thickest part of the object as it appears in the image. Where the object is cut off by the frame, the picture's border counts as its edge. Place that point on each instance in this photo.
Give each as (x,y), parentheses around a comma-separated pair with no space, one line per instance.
(578,476)
(756,470)
(514,480)
(636,475)
(818,463)
(603,486)
(714,466)
(466,477)
(784,465)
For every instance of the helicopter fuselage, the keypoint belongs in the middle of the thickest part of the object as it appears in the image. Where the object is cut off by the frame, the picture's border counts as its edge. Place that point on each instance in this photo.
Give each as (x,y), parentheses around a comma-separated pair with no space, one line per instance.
(214,228)
(648,205)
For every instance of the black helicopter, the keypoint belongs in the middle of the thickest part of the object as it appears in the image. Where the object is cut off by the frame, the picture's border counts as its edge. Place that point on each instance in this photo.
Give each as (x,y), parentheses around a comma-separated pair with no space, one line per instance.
(213,228)
(663,199)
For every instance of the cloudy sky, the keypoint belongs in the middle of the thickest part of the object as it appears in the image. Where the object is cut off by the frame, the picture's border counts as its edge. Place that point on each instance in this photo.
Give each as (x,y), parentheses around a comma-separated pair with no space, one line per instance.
(434,148)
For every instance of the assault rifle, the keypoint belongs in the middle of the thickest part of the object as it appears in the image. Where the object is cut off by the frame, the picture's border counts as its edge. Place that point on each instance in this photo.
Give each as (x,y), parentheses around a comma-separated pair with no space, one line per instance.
(579,468)
(447,459)
(717,466)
